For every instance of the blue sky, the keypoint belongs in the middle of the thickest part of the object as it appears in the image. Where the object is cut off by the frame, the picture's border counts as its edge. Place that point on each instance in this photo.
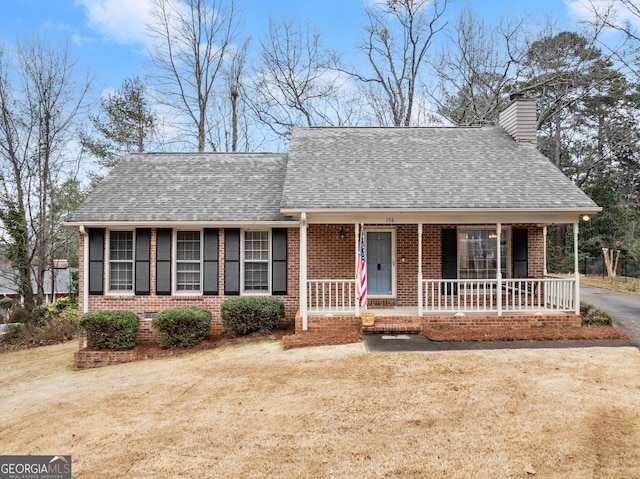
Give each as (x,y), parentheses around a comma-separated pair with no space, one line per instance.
(107,36)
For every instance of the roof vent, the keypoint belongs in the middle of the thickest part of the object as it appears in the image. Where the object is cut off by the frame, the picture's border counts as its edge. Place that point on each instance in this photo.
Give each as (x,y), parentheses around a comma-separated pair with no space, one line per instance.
(519,119)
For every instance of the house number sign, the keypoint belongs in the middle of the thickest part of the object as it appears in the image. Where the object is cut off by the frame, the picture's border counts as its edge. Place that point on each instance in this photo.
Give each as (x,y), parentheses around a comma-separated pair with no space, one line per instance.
(390,220)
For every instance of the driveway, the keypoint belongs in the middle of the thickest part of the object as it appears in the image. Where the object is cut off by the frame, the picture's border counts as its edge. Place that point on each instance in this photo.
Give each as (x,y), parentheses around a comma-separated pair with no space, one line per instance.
(624,309)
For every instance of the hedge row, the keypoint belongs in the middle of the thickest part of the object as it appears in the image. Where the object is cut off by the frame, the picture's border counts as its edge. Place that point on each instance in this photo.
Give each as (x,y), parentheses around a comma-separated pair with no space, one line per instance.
(185,326)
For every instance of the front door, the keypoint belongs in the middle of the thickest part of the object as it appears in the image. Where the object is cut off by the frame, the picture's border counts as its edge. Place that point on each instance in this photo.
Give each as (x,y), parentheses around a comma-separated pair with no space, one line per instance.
(379,263)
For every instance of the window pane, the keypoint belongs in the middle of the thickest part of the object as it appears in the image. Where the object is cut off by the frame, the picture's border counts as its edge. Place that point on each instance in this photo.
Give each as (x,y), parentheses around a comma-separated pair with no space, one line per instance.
(256,276)
(121,276)
(188,276)
(256,261)
(188,261)
(256,246)
(477,253)
(121,260)
(188,246)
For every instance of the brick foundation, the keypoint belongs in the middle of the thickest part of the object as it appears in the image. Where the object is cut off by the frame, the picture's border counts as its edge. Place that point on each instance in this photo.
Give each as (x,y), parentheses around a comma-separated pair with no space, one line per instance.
(335,324)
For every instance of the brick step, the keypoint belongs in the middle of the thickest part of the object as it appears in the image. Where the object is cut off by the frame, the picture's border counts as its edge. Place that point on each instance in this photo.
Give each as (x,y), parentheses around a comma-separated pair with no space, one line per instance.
(406,328)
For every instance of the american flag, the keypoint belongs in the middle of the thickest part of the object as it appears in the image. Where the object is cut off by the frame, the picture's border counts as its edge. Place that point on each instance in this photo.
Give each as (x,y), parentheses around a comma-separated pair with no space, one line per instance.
(361,281)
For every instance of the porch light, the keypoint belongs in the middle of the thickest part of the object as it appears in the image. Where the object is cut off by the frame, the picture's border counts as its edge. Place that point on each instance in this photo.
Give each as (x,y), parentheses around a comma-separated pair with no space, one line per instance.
(342,233)
(586,217)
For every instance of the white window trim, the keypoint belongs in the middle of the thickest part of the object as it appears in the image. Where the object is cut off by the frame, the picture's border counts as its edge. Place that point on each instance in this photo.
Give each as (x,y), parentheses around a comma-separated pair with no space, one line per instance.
(174,262)
(244,292)
(506,230)
(394,263)
(121,292)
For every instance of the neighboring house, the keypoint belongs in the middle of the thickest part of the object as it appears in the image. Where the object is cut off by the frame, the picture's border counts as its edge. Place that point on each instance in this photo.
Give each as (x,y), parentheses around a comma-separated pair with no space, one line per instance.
(55,286)
(454,220)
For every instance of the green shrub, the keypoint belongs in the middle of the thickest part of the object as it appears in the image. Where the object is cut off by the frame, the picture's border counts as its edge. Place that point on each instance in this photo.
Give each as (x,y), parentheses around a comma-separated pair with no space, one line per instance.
(241,316)
(186,326)
(110,329)
(11,334)
(591,315)
(6,303)
(21,315)
(44,314)
(63,303)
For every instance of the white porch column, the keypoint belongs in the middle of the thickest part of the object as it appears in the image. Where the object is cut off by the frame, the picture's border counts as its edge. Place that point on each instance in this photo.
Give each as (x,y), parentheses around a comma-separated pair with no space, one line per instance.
(544,251)
(576,263)
(419,269)
(499,266)
(85,269)
(357,262)
(303,271)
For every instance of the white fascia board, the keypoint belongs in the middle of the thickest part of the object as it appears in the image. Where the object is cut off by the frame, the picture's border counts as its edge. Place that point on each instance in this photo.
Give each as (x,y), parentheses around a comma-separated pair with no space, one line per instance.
(444,216)
(182,224)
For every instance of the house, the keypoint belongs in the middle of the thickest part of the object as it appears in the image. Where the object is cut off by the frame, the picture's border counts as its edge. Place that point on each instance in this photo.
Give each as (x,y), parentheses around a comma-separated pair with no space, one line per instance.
(454,221)
(56,283)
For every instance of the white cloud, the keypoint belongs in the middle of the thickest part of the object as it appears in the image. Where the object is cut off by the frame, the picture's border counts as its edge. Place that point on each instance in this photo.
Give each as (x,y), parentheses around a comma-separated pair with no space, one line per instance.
(584,10)
(122,21)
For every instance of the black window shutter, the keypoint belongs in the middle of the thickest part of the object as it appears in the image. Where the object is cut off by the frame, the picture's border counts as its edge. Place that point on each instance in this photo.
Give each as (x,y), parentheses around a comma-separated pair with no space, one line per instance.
(450,256)
(143,261)
(210,266)
(163,261)
(232,262)
(520,252)
(279,261)
(96,261)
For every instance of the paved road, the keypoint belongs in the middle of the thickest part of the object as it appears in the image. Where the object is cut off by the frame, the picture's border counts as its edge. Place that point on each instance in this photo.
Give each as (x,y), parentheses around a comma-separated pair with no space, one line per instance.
(624,309)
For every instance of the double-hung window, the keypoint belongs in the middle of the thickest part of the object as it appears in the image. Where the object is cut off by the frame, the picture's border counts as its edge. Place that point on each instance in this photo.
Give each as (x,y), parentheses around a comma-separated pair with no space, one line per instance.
(188,261)
(478,253)
(121,261)
(256,262)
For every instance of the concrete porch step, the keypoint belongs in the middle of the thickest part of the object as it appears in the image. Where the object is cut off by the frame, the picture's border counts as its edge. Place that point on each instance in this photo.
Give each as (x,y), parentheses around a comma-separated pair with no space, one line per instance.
(406,328)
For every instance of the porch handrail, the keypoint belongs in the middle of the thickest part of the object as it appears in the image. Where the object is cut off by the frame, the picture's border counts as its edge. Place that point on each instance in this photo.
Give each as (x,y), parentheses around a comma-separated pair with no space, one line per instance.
(481,295)
(331,296)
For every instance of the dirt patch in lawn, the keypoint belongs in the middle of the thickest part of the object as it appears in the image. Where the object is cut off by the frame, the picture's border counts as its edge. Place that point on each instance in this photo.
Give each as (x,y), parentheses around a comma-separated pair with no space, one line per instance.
(256,410)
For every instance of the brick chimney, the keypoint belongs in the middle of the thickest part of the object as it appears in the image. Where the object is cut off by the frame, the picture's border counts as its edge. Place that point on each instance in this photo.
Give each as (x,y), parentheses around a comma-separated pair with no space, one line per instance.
(519,119)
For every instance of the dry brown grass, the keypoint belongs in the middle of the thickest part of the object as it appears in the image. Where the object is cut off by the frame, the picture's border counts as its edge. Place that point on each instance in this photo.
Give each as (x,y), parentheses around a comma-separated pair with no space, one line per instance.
(254,410)
(623,284)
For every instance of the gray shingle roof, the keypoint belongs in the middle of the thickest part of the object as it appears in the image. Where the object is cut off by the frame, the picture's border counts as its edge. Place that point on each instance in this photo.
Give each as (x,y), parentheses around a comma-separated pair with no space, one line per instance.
(185,187)
(422,168)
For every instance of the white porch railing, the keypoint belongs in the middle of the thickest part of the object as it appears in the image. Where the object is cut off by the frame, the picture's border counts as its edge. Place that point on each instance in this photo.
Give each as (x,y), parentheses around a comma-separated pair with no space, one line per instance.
(338,296)
(331,296)
(482,295)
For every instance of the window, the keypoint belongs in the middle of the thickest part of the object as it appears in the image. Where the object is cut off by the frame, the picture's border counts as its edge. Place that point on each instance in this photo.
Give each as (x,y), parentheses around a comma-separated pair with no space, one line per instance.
(121,261)
(256,261)
(477,253)
(188,255)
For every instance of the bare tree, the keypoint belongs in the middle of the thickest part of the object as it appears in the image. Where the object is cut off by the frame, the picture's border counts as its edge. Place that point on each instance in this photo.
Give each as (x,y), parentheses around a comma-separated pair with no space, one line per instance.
(477,66)
(192,40)
(297,81)
(399,35)
(40,100)
(623,17)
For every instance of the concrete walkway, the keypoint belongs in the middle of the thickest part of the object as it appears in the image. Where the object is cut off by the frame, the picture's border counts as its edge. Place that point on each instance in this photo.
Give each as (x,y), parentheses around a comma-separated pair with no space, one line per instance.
(624,309)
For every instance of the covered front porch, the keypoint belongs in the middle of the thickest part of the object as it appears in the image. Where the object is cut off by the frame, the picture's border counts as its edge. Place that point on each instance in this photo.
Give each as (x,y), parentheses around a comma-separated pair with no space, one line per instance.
(520,291)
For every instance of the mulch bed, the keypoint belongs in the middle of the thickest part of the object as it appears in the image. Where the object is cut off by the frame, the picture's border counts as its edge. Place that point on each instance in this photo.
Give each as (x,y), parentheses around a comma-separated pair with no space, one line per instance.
(585,333)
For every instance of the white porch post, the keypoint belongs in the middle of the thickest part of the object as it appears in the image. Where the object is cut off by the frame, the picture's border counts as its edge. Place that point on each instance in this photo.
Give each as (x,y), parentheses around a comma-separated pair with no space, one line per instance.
(544,251)
(303,271)
(357,260)
(576,263)
(419,269)
(499,266)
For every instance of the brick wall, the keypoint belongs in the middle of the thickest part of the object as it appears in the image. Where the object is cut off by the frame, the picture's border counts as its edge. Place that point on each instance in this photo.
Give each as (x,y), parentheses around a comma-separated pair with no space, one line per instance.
(144,306)
(329,257)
